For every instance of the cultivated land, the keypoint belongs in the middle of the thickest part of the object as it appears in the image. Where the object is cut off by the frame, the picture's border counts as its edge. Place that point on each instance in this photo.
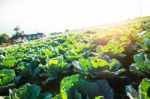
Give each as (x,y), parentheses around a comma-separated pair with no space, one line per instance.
(107,62)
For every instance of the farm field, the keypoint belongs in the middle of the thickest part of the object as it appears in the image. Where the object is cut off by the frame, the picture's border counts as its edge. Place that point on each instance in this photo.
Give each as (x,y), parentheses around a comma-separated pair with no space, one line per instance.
(109,63)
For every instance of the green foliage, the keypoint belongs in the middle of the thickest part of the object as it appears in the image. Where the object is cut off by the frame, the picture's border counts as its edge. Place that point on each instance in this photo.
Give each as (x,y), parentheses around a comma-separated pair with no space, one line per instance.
(8,62)
(146,34)
(143,93)
(131,92)
(74,87)
(18,32)
(145,44)
(4,38)
(50,52)
(28,91)
(99,97)
(54,67)
(146,25)
(6,77)
(95,66)
(71,55)
(47,61)
(142,64)
(112,48)
(29,68)
(144,89)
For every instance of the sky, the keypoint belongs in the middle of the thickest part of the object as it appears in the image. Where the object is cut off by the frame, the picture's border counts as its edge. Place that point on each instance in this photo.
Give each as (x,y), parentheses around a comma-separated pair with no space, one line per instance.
(57,15)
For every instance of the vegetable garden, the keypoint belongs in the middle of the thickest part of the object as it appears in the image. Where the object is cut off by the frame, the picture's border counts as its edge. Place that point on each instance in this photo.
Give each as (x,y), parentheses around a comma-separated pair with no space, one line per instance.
(111,64)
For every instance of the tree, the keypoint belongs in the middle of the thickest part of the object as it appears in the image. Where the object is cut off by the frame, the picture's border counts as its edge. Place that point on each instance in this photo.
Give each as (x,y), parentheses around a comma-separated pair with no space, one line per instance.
(17,28)
(67,30)
(18,32)
(4,38)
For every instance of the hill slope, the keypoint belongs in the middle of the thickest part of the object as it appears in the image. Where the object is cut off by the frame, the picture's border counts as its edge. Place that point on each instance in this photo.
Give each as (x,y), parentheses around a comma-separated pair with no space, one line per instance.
(96,64)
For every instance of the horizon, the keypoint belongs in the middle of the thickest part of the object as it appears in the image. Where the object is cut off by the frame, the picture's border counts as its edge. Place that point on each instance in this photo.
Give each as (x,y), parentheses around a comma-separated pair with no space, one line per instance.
(56,16)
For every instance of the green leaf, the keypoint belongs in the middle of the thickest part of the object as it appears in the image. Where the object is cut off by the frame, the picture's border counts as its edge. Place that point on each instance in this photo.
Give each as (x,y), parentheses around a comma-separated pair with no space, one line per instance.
(28,91)
(96,66)
(131,92)
(6,76)
(47,52)
(76,87)
(147,42)
(114,65)
(96,63)
(141,65)
(8,62)
(143,93)
(99,50)
(144,89)
(46,95)
(78,95)
(54,67)
(139,59)
(53,62)
(99,97)
(72,55)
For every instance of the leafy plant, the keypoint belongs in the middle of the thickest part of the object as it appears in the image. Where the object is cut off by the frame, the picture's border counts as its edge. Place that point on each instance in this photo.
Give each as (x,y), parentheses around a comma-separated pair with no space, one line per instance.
(95,66)
(92,55)
(6,77)
(143,93)
(112,48)
(144,44)
(55,67)
(51,52)
(71,55)
(74,87)
(2,57)
(29,67)
(8,62)
(141,65)
(28,91)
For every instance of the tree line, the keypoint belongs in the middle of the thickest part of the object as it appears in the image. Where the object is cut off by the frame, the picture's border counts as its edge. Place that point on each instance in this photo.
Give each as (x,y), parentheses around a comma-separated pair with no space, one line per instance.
(4,38)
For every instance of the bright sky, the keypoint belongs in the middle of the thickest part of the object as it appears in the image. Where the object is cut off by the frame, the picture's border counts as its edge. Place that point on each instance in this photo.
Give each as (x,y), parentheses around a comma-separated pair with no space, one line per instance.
(57,15)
